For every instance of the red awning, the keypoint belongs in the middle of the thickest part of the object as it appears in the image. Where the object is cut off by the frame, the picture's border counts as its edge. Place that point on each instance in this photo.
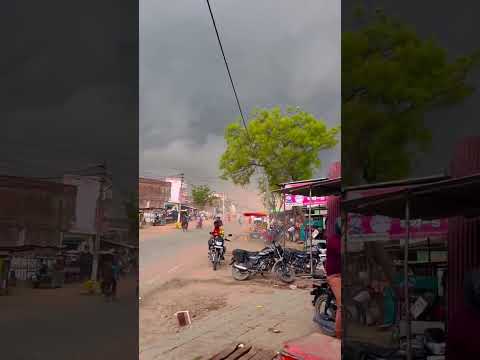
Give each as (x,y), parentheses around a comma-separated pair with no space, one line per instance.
(323,187)
(257,214)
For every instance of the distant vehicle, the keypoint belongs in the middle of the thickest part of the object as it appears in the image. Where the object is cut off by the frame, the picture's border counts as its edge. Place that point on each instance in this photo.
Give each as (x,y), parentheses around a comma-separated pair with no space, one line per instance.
(43,276)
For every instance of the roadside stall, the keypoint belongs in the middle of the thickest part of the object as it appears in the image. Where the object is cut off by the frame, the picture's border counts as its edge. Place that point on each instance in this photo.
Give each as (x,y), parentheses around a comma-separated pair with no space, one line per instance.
(257,224)
(315,191)
(405,275)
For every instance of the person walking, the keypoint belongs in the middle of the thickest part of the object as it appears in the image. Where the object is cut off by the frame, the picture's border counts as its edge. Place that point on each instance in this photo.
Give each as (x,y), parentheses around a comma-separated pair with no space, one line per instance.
(107,278)
(116,275)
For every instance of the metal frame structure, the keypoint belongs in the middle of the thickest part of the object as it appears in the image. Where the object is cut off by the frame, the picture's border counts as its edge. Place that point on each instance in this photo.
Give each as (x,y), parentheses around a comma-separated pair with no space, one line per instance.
(426,198)
(313,187)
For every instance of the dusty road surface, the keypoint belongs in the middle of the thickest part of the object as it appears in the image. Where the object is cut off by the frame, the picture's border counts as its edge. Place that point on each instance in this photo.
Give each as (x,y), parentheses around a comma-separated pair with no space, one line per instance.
(59,324)
(175,275)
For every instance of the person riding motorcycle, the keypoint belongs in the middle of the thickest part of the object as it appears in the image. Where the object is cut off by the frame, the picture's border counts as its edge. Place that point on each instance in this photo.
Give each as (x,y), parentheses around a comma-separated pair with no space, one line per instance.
(184,220)
(217,231)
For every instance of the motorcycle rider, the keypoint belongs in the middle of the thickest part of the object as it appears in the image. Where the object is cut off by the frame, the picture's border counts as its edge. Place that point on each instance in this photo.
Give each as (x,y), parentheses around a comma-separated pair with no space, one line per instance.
(185,220)
(217,231)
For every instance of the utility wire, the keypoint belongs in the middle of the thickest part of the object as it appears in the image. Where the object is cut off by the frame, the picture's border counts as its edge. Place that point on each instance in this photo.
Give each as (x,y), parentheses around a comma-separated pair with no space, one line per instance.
(228,69)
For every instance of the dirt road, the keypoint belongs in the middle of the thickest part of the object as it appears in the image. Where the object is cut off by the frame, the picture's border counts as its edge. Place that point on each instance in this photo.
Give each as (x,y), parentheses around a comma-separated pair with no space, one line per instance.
(59,324)
(175,275)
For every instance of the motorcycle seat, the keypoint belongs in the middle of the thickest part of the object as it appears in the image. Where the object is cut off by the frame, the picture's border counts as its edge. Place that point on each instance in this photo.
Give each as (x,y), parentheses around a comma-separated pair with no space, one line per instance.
(242,255)
(297,253)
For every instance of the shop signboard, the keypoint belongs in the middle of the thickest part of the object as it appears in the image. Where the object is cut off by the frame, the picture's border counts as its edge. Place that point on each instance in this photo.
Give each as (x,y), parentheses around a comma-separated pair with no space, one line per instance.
(372,228)
(300,200)
(175,190)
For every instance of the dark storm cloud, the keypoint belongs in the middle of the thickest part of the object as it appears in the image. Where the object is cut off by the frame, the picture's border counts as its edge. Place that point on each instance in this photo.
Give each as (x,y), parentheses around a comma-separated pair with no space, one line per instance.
(280,53)
(69,88)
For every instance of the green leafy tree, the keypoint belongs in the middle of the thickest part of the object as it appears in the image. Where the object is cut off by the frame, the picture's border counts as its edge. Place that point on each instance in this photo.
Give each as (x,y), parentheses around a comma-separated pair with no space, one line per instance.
(277,147)
(202,195)
(390,79)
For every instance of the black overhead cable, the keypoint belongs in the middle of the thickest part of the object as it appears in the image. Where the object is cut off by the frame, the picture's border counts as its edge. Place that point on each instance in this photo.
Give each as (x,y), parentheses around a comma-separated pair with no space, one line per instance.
(228,70)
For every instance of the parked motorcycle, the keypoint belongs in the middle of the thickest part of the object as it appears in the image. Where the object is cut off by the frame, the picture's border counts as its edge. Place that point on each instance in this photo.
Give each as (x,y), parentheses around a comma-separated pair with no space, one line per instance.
(325,307)
(216,250)
(248,263)
(300,260)
(42,277)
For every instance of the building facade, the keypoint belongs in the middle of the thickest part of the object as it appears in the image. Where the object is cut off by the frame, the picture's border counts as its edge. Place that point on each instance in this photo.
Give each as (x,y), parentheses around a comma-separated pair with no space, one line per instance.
(35,213)
(153,193)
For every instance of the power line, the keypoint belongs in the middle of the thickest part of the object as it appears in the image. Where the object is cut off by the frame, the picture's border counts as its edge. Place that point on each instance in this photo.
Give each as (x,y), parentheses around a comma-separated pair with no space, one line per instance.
(228,69)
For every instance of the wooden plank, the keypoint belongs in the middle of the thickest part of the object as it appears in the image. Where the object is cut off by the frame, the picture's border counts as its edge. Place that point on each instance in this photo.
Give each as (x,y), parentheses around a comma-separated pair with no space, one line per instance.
(239,353)
(225,353)
(263,355)
(253,351)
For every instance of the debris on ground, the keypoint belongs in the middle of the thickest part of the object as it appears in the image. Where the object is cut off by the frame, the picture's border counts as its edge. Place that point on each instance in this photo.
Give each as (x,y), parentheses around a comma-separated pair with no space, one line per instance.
(275,331)
(183,318)
(244,352)
(293,287)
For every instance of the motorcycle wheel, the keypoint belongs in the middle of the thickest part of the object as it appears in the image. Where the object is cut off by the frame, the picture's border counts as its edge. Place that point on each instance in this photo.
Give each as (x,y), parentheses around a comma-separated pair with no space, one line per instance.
(320,304)
(239,275)
(284,272)
(215,262)
(320,307)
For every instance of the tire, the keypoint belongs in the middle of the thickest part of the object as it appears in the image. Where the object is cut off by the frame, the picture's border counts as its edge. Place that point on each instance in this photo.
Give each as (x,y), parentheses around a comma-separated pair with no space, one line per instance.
(239,275)
(320,304)
(284,272)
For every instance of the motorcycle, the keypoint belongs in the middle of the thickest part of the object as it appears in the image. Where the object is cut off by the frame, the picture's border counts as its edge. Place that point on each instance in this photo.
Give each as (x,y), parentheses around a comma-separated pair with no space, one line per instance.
(300,260)
(216,250)
(325,307)
(248,263)
(42,278)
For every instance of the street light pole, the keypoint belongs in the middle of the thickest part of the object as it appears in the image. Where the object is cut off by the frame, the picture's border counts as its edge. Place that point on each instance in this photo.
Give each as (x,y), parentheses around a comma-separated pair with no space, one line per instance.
(99,225)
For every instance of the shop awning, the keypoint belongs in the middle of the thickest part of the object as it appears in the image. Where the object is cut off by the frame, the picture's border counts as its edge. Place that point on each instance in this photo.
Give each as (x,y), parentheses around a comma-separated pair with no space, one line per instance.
(320,187)
(257,214)
(429,200)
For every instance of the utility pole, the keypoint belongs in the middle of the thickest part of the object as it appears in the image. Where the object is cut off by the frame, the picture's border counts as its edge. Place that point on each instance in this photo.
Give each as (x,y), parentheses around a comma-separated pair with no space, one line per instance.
(267,197)
(98,223)
(223,206)
(180,198)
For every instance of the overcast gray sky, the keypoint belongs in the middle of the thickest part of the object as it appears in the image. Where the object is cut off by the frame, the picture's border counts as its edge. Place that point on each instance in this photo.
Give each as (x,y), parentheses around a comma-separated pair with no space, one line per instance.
(280,52)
